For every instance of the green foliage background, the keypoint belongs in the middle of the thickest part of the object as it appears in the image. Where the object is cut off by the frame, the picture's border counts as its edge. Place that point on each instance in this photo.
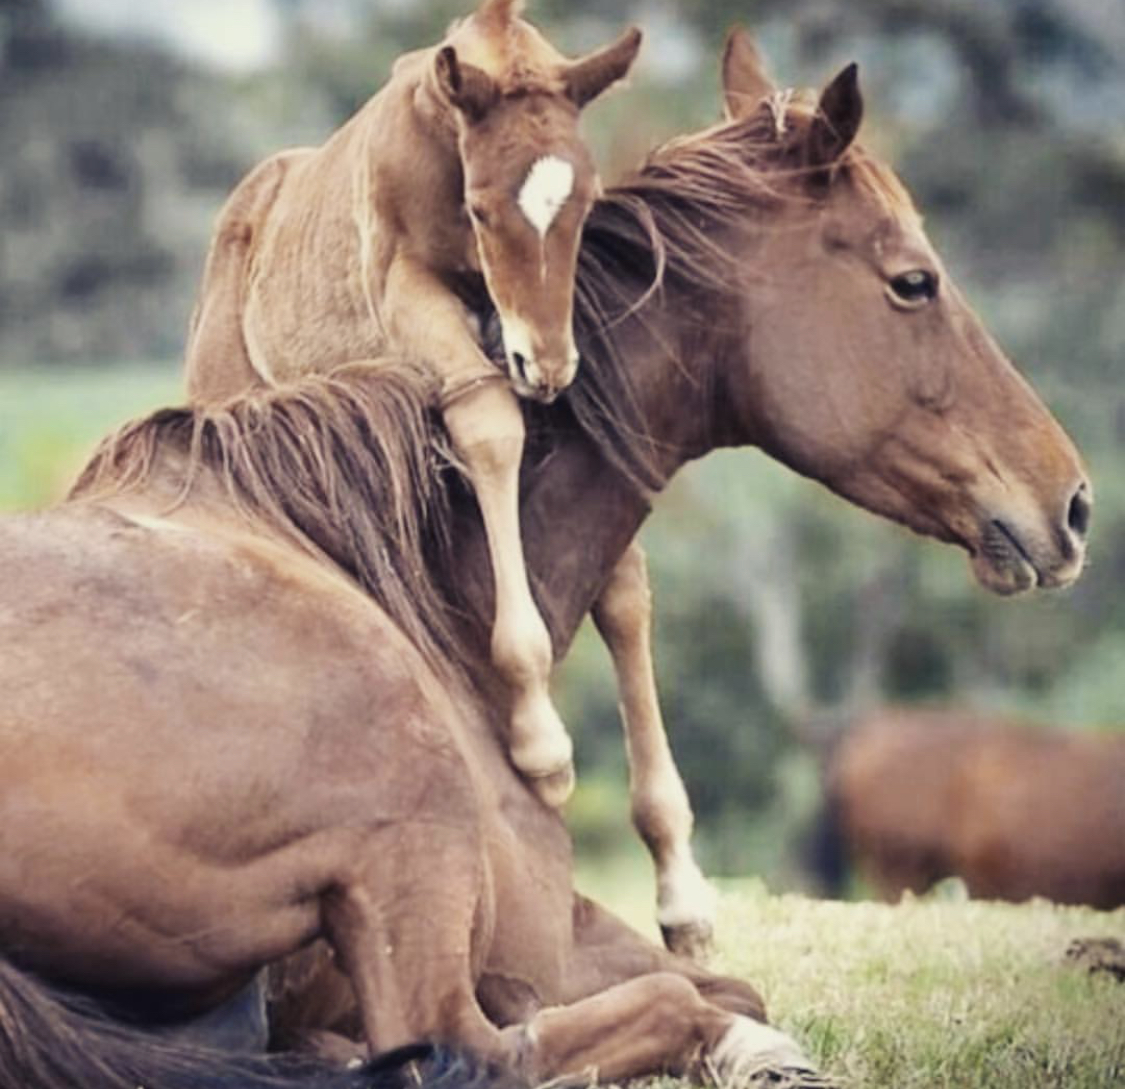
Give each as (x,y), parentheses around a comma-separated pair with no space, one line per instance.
(775,602)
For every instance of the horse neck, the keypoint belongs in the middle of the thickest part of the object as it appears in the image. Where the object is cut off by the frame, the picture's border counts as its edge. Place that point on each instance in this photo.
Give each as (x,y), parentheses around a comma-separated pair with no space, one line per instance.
(579,512)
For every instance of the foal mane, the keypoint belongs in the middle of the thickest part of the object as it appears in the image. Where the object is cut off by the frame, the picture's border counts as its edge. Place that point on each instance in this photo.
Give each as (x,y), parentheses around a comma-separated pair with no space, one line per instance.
(345,466)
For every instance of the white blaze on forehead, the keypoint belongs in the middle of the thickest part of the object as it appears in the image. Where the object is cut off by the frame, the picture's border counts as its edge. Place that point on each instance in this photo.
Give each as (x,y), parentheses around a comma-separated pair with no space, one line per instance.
(548,185)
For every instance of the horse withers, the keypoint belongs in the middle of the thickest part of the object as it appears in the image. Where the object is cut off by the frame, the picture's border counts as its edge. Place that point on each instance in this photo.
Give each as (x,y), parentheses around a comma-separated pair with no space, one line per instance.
(234,722)
(465,177)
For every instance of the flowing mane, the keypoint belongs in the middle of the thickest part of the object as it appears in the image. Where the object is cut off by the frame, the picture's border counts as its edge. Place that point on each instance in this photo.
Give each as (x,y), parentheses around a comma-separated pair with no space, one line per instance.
(344,466)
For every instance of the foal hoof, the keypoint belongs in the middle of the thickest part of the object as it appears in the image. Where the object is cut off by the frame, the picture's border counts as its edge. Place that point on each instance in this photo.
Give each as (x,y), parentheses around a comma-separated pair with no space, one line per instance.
(554,788)
(694,940)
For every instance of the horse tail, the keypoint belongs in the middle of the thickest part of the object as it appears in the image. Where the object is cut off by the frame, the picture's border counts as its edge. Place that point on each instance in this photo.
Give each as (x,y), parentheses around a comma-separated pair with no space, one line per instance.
(53,1039)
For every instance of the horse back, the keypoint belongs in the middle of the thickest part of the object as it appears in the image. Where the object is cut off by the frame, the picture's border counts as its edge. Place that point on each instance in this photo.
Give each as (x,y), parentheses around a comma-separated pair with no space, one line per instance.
(294,282)
(218,362)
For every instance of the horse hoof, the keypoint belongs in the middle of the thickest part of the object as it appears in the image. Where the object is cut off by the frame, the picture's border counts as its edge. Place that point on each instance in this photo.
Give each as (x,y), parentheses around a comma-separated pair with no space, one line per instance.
(693,940)
(555,788)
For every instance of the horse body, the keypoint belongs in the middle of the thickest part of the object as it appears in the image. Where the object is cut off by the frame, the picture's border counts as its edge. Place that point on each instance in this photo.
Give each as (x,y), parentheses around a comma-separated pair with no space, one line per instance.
(289,722)
(1015,811)
(203,626)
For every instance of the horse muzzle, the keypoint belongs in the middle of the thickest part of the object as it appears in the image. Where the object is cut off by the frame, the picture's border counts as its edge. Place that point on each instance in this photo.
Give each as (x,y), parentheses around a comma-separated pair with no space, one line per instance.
(1016,551)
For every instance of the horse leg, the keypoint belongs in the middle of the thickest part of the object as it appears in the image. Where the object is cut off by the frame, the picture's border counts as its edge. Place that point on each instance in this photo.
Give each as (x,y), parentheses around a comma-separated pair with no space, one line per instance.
(633,1008)
(487,429)
(654,1024)
(685,901)
(607,951)
(311,1006)
(406,937)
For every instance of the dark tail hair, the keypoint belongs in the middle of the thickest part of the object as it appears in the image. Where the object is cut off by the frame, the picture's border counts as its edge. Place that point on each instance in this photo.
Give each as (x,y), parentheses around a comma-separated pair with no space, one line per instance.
(52,1039)
(824,850)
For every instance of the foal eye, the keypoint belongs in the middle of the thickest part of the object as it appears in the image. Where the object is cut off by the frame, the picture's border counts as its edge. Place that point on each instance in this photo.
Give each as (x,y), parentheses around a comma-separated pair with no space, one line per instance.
(914,288)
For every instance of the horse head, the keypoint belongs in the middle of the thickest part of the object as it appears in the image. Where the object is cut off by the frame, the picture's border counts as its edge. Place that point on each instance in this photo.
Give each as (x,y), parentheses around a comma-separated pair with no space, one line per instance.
(870,371)
(529,180)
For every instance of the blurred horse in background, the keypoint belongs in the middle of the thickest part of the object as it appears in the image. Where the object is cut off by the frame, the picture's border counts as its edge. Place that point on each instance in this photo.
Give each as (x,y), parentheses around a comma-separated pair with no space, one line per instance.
(1014,810)
(249,697)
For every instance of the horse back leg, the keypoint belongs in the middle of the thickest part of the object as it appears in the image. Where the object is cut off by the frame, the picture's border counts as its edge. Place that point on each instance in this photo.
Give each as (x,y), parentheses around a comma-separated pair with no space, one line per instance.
(685,901)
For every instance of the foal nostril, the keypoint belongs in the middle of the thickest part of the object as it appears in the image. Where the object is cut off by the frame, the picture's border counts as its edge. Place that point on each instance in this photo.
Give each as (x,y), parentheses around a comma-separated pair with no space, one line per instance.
(1079,511)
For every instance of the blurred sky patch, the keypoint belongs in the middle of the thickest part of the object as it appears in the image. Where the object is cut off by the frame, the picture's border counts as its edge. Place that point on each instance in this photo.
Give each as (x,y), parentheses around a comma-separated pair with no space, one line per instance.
(236,35)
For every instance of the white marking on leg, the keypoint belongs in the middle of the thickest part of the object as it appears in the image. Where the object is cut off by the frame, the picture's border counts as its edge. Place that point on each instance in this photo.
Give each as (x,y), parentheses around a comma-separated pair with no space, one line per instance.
(683,895)
(548,186)
(750,1051)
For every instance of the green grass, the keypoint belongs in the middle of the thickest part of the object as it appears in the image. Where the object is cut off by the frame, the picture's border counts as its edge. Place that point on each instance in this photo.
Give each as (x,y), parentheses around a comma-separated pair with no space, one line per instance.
(939,992)
(51,418)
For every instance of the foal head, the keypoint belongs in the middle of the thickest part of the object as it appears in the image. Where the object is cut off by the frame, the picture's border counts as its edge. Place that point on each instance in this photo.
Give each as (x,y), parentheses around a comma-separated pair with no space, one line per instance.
(870,372)
(529,180)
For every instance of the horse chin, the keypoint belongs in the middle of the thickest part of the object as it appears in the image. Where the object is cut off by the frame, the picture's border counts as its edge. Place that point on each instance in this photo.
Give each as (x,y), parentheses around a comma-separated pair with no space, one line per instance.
(1006,579)
(1001,563)
(543,395)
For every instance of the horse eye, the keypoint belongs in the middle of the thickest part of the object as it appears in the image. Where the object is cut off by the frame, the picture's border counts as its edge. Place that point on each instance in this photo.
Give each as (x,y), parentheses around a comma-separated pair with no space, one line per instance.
(478,215)
(914,288)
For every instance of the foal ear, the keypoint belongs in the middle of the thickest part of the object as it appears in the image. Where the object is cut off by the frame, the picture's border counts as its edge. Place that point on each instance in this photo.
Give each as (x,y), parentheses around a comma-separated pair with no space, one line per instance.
(837,119)
(588,76)
(471,89)
(745,82)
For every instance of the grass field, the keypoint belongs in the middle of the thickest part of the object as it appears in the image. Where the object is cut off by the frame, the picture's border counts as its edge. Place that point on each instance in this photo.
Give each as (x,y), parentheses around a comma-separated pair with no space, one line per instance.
(939,992)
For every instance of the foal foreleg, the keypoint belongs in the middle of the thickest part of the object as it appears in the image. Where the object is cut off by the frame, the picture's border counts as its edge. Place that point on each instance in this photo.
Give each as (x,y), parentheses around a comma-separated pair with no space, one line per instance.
(685,901)
(487,429)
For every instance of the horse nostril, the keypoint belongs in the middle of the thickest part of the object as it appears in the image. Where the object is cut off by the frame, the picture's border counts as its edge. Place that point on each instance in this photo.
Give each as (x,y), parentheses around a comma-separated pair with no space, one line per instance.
(1079,511)
(520,363)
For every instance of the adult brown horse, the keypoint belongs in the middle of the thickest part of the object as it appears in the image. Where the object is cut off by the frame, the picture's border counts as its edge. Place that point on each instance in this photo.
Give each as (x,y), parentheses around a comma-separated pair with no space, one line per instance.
(236,718)
(1016,811)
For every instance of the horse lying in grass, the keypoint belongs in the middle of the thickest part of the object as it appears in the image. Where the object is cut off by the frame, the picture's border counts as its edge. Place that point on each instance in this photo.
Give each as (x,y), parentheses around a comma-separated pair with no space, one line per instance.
(1015,811)
(249,702)
(464,177)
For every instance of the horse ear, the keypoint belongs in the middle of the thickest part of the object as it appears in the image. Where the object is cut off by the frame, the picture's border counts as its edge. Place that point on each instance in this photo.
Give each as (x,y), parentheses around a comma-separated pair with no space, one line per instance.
(471,89)
(745,82)
(588,76)
(837,119)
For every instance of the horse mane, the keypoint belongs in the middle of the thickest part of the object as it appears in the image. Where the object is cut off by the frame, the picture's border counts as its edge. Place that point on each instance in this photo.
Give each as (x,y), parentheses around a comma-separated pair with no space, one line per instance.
(346,466)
